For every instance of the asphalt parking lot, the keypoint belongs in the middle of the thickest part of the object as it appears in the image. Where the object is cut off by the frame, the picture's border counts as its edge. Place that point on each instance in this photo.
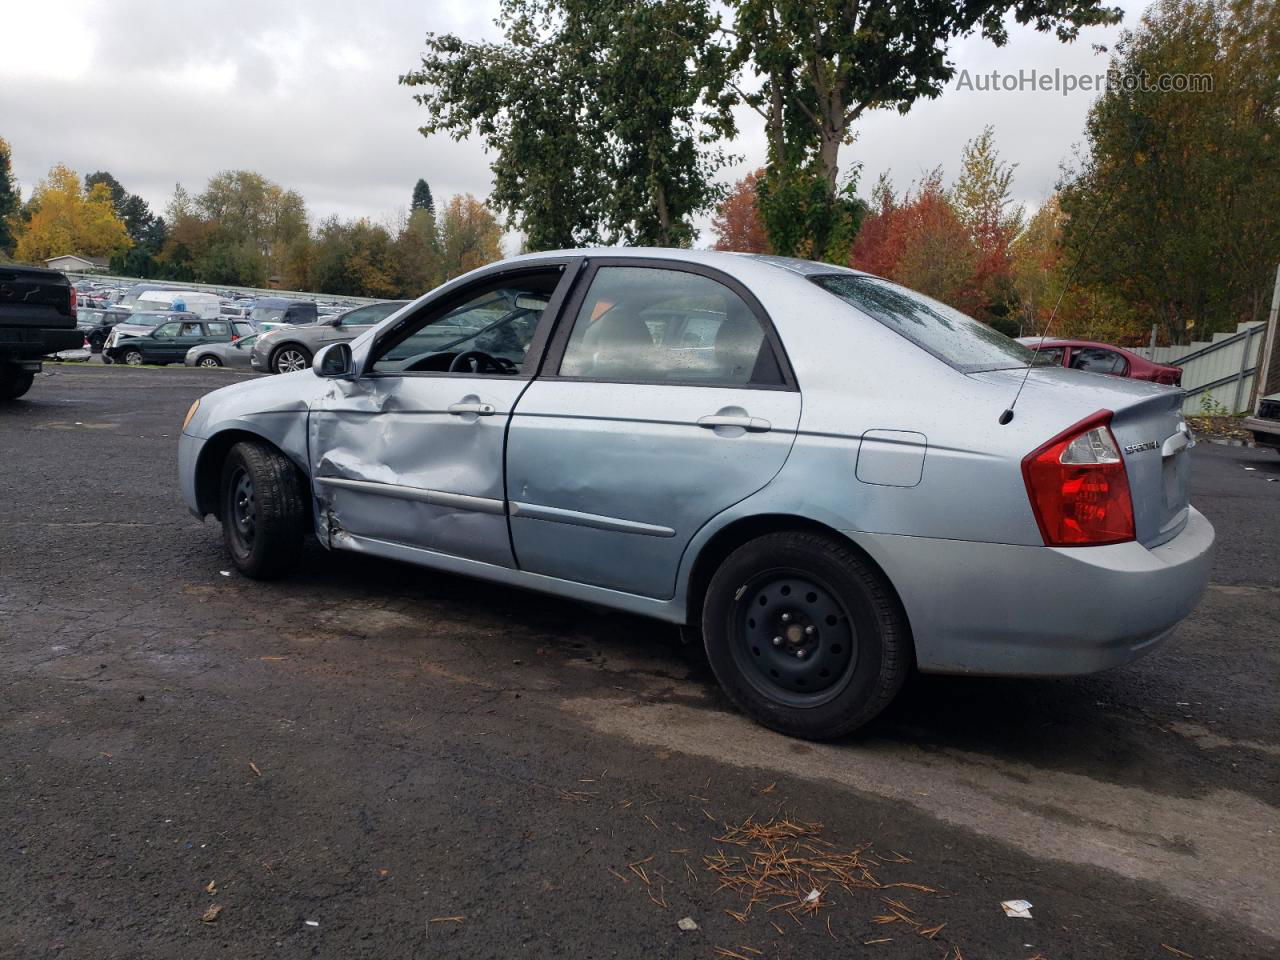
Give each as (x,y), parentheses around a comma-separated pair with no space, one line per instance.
(369,760)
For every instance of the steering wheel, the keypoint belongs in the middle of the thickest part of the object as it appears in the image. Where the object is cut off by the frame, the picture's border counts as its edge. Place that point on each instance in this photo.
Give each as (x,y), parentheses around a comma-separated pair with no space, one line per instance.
(477,361)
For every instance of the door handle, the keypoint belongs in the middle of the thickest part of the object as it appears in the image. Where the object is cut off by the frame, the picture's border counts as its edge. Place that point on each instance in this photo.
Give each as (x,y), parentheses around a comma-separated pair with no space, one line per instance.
(750,424)
(483,409)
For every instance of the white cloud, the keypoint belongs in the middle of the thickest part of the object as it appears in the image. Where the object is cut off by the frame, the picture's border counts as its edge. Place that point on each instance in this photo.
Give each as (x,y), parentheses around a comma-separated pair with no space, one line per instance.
(305,93)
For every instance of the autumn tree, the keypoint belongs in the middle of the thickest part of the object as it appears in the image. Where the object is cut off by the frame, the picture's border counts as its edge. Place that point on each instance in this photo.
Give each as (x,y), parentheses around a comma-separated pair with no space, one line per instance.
(983,199)
(470,236)
(353,258)
(601,116)
(737,223)
(254,222)
(1172,203)
(10,200)
(67,218)
(819,65)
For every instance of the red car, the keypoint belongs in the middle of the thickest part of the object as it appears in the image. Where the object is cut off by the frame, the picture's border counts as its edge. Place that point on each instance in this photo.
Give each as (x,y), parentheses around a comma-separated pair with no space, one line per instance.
(1103,358)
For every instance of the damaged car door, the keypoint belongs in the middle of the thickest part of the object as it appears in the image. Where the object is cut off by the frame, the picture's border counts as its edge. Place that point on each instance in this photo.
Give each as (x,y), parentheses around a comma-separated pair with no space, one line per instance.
(411,451)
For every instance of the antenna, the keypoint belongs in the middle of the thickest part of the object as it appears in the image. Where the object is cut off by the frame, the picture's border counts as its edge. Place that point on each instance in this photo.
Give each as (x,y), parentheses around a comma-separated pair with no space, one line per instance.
(1007,416)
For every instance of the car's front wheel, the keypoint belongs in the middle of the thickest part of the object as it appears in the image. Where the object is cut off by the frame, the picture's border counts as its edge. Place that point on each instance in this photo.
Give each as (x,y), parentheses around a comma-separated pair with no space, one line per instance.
(208,360)
(264,512)
(290,358)
(132,358)
(804,635)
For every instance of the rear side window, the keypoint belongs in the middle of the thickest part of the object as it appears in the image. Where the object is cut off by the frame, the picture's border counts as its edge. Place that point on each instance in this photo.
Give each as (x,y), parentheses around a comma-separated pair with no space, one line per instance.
(953,337)
(1097,360)
(216,329)
(651,325)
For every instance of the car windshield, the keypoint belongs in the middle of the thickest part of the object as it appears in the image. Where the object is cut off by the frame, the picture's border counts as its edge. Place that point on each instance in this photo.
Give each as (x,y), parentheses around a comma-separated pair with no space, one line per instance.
(953,337)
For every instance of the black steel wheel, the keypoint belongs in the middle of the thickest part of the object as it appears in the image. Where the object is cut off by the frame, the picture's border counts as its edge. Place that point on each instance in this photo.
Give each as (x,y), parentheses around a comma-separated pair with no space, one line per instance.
(805,635)
(264,511)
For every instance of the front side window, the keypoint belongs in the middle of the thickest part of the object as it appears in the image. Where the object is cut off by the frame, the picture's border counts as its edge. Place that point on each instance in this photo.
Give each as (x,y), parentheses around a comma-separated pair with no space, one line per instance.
(368,316)
(654,325)
(490,331)
(168,330)
(953,337)
(190,330)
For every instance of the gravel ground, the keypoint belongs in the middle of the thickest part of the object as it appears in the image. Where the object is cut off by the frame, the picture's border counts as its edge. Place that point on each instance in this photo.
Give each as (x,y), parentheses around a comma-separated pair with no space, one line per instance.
(369,760)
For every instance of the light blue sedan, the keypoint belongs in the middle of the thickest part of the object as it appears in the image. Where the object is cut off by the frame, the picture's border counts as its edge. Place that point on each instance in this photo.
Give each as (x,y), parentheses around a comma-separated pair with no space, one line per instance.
(820,474)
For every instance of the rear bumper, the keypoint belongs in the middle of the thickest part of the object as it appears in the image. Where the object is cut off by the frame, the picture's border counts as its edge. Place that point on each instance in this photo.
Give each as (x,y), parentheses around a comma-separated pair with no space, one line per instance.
(1263,430)
(18,343)
(1006,610)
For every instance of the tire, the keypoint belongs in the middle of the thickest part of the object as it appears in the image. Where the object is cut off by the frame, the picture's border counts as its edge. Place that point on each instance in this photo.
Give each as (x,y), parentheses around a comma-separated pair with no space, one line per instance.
(14,382)
(106,357)
(804,635)
(95,344)
(264,511)
(208,360)
(132,358)
(290,358)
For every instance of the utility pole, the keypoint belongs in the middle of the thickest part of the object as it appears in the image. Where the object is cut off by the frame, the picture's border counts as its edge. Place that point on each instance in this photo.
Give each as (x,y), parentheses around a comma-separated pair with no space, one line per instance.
(1268,347)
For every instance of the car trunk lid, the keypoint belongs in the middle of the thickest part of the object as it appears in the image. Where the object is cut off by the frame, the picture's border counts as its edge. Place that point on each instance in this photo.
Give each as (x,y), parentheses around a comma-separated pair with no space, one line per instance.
(1148,425)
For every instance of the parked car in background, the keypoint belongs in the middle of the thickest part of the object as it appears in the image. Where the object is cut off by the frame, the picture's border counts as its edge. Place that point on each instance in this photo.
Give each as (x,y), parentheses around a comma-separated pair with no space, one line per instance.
(97,324)
(234,354)
(37,318)
(267,313)
(769,483)
(1265,423)
(138,324)
(1094,357)
(285,349)
(170,341)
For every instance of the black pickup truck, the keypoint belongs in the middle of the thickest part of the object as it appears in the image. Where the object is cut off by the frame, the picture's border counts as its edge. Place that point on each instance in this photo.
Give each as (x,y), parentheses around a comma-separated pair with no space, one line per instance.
(37,317)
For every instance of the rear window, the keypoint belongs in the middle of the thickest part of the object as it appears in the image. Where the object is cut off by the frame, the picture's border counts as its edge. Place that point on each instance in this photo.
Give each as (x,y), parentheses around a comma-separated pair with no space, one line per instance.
(953,337)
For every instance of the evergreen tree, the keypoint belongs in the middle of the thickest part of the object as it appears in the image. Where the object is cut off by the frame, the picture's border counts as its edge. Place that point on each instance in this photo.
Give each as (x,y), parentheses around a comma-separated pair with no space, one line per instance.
(422,197)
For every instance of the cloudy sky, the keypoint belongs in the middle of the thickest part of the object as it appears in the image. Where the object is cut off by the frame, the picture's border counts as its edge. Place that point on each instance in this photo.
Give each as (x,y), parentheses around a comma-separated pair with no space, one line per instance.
(305,92)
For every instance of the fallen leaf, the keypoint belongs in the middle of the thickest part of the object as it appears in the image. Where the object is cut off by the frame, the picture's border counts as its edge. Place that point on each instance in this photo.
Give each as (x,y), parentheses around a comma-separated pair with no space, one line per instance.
(254,767)
(211,915)
(212,887)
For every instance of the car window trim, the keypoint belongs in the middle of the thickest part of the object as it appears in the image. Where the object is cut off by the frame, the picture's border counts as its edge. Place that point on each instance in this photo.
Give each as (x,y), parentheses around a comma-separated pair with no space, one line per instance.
(448,298)
(560,339)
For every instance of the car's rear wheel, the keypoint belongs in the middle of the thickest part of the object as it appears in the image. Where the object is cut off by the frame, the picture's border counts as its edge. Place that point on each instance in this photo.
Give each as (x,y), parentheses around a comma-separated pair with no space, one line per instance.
(290,358)
(14,382)
(264,512)
(132,358)
(804,635)
(208,360)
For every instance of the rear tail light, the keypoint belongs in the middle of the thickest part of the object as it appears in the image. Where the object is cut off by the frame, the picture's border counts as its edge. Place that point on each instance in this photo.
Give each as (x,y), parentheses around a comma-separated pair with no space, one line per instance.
(73,300)
(1078,487)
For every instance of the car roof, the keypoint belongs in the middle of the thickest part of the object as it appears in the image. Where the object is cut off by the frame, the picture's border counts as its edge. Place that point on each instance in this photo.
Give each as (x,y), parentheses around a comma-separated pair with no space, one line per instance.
(724,259)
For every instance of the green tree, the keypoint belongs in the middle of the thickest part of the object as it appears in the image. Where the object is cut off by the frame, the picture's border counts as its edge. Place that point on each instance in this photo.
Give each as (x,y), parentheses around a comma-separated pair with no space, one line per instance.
(1172,204)
(10,199)
(422,197)
(118,192)
(983,200)
(601,116)
(417,254)
(252,224)
(353,258)
(820,64)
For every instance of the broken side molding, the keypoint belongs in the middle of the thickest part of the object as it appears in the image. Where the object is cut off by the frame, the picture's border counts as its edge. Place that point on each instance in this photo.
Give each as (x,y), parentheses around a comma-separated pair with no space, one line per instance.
(533,511)
(438,498)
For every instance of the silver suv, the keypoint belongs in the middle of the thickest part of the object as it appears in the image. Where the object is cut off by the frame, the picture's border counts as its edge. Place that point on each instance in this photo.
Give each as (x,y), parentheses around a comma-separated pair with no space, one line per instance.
(291,347)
